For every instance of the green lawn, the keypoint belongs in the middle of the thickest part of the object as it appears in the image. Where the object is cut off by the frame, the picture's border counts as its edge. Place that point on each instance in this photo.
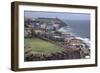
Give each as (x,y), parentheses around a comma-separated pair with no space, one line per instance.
(41,46)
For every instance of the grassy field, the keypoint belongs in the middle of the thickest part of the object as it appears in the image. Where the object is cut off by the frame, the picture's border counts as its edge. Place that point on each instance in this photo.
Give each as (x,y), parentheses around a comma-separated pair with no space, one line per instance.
(41,46)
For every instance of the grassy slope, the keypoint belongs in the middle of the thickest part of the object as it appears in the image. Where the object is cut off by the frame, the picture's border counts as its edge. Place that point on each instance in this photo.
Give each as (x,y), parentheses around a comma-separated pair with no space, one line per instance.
(42,46)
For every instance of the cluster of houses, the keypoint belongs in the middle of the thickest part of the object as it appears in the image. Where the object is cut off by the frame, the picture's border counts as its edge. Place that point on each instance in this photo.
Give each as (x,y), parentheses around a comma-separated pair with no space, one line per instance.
(48,28)
(41,25)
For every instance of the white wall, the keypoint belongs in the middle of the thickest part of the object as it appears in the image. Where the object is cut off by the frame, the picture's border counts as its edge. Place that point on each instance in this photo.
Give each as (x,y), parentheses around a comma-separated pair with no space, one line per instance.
(5,32)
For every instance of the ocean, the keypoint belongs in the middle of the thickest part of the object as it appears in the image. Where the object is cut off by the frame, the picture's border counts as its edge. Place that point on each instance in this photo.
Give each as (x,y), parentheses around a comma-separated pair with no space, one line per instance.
(80,28)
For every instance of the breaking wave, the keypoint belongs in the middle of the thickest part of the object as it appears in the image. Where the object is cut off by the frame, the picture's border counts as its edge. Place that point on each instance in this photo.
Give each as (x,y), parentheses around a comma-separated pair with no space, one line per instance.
(85,40)
(67,29)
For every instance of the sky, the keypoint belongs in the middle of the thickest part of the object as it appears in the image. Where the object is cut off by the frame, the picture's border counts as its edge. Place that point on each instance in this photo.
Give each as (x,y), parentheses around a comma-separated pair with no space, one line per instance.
(61,15)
